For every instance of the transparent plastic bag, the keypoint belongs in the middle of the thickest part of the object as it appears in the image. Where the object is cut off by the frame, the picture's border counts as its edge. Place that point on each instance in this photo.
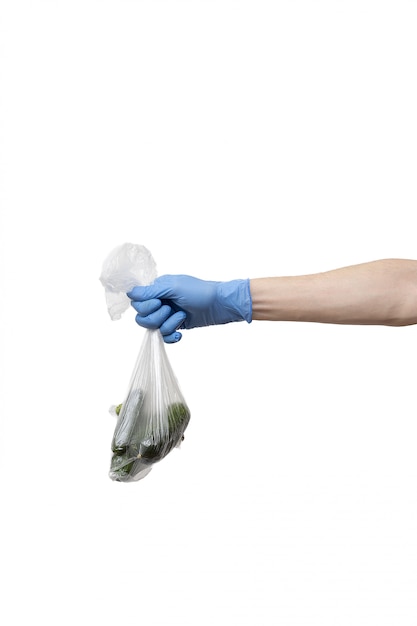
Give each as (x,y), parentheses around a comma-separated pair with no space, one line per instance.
(153,417)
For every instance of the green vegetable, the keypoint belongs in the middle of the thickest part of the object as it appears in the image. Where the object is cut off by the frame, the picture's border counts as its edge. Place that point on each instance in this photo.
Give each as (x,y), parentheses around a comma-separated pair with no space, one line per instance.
(127,424)
(136,444)
(155,448)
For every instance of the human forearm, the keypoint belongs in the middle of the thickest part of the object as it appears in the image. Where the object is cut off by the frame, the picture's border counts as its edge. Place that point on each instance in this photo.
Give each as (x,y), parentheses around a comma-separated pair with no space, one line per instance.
(380,292)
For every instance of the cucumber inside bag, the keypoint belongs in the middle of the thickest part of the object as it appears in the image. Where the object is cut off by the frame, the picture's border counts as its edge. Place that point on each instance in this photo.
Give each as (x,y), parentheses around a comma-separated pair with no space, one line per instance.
(153,417)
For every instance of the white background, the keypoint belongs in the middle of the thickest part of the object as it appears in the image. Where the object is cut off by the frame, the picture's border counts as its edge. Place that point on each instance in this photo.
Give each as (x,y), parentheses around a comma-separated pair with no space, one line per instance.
(232,139)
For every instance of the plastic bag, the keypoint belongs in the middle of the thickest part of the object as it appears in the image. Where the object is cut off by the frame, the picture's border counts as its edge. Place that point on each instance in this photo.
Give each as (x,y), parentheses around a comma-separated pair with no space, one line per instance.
(153,417)
(125,267)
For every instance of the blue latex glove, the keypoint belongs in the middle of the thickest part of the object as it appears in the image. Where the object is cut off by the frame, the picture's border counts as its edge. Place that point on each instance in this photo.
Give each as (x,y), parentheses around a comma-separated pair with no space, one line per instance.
(177,302)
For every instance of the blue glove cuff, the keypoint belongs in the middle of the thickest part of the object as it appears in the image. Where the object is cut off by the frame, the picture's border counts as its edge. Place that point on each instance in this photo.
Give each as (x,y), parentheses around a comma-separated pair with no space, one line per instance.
(235,299)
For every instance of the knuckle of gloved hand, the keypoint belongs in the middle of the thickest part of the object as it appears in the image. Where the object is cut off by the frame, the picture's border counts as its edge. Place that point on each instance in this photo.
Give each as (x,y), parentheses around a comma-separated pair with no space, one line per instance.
(162,314)
(147,306)
(154,320)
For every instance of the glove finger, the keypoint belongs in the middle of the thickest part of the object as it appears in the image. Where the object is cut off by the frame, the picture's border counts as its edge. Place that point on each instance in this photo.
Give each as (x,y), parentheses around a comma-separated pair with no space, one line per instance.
(173,338)
(146,307)
(172,323)
(156,319)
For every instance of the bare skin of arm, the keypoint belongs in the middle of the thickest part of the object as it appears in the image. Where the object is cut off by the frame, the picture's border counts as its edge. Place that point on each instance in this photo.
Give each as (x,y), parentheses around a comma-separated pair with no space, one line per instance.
(382,292)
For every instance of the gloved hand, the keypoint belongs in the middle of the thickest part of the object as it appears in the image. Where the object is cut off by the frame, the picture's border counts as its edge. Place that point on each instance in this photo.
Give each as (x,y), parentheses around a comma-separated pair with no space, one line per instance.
(177,302)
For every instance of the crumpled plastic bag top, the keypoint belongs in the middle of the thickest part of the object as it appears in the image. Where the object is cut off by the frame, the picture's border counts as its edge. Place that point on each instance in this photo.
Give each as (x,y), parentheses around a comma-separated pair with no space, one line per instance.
(125,267)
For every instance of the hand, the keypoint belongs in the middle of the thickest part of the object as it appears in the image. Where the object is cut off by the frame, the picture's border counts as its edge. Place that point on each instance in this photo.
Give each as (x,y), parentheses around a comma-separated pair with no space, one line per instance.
(176,302)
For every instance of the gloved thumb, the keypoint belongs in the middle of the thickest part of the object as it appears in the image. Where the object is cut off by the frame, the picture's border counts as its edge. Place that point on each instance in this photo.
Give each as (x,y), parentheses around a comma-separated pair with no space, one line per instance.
(141,293)
(160,288)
